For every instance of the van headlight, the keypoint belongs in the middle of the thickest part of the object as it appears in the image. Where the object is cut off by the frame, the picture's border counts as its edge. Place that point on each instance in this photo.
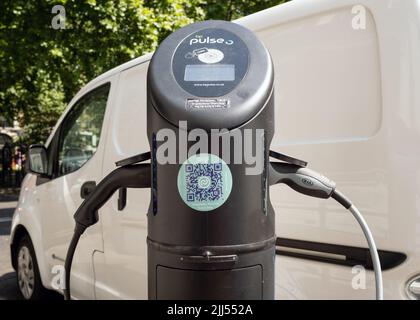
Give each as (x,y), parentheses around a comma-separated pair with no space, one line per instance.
(413,288)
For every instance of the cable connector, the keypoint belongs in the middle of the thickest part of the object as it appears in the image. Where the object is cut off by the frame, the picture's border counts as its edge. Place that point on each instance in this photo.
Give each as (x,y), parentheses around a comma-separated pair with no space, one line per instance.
(301,179)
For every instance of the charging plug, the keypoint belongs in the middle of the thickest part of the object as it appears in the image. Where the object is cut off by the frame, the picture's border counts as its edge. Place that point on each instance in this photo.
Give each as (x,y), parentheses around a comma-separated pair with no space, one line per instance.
(302,180)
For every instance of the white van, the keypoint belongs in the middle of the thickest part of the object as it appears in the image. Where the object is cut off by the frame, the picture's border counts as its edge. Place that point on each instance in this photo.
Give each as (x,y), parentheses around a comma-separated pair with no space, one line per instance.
(347,79)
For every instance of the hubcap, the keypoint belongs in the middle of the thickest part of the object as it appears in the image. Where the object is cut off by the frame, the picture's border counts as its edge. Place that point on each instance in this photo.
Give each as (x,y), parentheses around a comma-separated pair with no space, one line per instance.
(26,277)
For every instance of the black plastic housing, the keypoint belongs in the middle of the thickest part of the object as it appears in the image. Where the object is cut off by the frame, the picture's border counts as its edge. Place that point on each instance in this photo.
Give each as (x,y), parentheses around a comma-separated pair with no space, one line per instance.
(228,252)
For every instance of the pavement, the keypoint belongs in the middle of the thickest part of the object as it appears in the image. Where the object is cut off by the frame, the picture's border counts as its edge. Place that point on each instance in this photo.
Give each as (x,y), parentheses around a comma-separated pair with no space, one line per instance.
(8,202)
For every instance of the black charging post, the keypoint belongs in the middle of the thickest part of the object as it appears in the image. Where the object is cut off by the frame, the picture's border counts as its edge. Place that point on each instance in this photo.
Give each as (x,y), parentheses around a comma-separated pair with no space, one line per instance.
(211,224)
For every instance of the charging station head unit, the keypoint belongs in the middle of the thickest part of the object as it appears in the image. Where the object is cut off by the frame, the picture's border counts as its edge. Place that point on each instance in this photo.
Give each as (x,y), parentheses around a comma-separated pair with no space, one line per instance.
(215,67)
(210,222)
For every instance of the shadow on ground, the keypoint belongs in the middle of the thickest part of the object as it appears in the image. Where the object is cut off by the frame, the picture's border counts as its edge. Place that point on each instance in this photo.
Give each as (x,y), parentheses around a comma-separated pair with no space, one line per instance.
(8,282)
(8,286)
(5,220)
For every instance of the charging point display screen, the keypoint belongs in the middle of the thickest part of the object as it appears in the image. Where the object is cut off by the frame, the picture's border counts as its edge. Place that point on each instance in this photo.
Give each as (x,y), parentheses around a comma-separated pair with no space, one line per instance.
(210,62)
(203,72)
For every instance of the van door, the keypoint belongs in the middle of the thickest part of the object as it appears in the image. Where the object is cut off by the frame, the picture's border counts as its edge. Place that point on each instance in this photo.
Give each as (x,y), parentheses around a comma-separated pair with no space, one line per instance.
(75,154)
(121,270)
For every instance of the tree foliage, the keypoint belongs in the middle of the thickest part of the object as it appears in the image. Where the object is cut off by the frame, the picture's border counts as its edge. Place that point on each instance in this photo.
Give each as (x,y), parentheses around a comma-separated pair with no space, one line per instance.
(41,68)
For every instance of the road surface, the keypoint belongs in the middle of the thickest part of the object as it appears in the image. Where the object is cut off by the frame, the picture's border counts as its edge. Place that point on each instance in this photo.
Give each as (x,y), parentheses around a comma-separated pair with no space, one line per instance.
(8,287)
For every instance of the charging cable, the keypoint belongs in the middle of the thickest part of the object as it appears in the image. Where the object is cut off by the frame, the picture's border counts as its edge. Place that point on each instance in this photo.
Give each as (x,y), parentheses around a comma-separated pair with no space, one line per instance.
(301,179)
(311,183)
(129,175)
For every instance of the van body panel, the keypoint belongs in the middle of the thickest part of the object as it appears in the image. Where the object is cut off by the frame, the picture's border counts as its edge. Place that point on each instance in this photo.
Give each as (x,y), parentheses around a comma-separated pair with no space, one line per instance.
(123,264)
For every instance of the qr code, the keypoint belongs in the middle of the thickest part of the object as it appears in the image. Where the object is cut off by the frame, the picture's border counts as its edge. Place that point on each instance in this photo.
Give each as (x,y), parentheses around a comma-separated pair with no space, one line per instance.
(204,182)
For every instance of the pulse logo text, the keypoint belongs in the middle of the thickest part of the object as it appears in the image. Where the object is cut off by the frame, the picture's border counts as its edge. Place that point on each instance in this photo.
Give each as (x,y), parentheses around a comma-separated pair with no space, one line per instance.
(208,40)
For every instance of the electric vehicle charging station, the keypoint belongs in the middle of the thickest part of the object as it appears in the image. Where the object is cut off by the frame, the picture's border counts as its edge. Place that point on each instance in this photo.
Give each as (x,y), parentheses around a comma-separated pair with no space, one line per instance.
(214,75)
(228,85)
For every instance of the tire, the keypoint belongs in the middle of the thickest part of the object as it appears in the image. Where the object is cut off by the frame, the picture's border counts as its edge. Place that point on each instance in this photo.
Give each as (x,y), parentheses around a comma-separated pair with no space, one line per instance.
(27,272)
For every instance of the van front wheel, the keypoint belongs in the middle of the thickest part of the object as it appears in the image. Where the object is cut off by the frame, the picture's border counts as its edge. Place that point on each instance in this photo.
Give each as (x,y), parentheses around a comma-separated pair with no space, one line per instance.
(28,277)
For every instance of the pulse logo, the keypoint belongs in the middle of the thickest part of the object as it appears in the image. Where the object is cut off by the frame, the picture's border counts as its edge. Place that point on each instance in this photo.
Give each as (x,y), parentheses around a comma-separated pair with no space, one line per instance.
(208,40)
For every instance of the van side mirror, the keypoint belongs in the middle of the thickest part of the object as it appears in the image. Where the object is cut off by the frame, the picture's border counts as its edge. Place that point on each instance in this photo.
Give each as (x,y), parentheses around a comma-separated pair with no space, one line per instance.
(37,159)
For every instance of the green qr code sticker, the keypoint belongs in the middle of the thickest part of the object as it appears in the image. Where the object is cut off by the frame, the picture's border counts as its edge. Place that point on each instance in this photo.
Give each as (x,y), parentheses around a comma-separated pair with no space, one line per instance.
(204,182)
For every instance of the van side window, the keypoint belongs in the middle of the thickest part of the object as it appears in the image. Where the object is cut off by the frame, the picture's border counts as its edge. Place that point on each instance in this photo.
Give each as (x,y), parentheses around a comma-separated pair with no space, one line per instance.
(81,130)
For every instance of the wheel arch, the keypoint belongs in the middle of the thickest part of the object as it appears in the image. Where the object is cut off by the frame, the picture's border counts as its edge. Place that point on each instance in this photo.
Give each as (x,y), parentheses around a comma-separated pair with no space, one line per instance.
(19,233)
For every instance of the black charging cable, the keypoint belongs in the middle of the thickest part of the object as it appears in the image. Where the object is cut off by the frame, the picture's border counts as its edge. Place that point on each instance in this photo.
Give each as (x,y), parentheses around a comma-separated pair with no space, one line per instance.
(130,176)
(296,176)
